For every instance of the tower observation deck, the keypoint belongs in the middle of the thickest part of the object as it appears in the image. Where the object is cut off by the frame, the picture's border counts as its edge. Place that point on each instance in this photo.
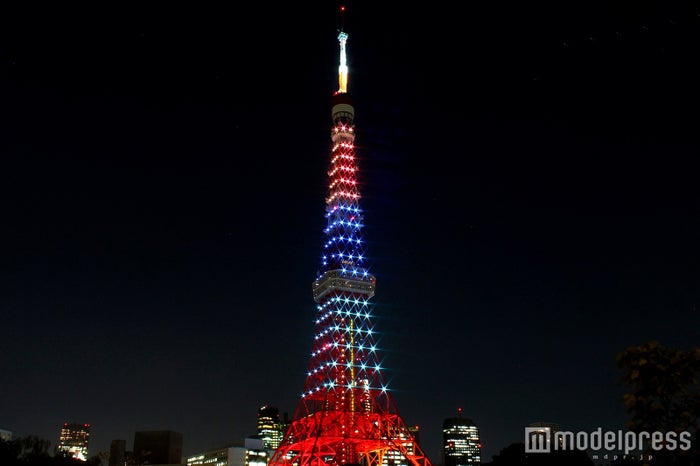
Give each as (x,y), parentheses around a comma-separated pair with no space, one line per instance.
(346,414)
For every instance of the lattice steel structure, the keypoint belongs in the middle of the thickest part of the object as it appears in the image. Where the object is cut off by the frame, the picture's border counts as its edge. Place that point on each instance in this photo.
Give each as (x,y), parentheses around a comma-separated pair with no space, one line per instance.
(346,414)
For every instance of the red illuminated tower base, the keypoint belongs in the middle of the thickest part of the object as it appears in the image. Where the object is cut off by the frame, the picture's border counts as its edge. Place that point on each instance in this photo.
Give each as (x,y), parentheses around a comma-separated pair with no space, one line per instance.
(346,415)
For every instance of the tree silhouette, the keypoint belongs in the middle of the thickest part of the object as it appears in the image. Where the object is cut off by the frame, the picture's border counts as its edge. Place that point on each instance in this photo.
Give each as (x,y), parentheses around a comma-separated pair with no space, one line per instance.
(34,451)
(663,394)
(9,452)
(514,455)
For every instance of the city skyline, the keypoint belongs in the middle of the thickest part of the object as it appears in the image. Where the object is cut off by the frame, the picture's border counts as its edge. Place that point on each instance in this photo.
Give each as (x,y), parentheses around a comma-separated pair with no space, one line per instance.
(529,192)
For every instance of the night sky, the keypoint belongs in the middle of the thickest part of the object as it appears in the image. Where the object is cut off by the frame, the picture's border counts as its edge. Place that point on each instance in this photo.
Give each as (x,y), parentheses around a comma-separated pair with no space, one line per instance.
(529,181)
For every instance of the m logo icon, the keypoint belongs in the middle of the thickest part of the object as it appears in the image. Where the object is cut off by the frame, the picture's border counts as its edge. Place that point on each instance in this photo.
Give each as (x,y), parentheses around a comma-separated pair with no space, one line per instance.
(537,439)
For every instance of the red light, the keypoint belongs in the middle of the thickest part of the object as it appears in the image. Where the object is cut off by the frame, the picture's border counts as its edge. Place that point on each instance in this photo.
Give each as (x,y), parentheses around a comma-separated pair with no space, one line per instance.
(342,8)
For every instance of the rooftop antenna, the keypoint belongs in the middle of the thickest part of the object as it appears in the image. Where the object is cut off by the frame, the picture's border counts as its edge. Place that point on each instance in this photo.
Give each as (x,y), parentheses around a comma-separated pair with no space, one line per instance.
(342,17)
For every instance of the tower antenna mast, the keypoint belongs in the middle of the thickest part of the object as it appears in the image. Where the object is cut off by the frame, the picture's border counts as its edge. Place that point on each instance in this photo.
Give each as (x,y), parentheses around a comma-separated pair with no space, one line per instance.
(343,68)
(342,17)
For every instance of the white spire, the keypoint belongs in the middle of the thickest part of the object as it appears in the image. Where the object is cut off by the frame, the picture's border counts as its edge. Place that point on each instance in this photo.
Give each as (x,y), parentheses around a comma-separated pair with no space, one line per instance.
(343,68)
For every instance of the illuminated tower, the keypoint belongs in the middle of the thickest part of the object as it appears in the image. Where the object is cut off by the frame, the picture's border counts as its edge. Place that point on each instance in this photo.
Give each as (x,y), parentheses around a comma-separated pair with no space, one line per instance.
(73,441)
(346,414)
(460,441)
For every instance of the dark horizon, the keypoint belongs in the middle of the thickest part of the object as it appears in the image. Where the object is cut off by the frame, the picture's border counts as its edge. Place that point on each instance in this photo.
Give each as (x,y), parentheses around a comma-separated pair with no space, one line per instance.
(529,182)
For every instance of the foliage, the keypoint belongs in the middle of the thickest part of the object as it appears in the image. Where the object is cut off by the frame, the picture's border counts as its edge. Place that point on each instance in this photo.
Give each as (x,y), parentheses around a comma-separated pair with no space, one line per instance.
(34,451)
(663,387)
(514,455)
(663,395)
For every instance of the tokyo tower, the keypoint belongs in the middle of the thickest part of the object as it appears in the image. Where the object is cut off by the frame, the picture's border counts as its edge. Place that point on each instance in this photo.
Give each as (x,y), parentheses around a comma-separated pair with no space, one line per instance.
(346,414)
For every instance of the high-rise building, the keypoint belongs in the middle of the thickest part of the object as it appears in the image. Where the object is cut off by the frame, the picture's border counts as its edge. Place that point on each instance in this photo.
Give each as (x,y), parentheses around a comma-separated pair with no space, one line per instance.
(284,423)
(346,413)
(547,429)
(260,447)
(270,428)
(234,455)
(256,455)
(74,440)
(415,430)
(461,445)
(553,426)
(117,453)
(158,447)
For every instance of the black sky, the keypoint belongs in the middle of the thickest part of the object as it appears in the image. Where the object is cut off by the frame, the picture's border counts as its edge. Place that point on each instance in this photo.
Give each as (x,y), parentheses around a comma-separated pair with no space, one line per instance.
(530,185)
